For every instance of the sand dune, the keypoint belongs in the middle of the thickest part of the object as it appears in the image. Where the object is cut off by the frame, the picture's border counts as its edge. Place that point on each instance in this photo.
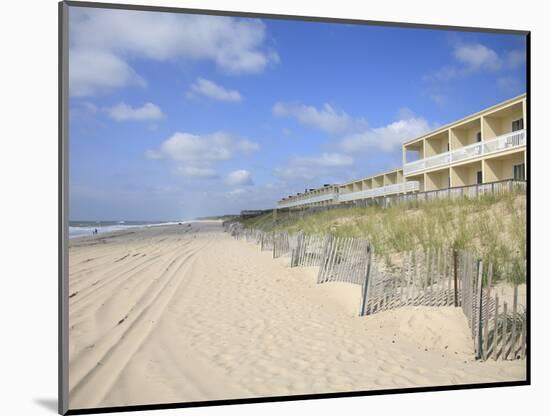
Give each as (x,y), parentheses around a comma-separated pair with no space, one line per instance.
(172,314)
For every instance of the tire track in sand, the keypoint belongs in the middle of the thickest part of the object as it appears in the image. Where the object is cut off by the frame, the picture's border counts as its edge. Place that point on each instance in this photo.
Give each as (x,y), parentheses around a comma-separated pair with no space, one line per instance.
(89,388)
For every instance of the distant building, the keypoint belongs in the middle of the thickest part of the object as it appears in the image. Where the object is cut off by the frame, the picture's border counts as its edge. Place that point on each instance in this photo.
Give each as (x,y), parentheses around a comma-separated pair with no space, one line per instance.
(253,213)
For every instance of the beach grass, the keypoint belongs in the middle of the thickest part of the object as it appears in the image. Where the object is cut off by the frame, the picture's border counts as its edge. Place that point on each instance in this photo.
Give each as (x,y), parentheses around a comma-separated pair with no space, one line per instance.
(493,227)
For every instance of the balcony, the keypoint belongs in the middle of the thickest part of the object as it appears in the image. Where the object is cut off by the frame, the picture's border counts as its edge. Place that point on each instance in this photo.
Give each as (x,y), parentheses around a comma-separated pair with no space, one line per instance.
(305,201)
(398,188)
(472,151)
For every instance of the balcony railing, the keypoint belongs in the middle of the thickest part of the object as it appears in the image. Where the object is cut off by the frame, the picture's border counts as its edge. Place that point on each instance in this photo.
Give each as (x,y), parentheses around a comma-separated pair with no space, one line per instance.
(305,201)
(398,188)
(472,151)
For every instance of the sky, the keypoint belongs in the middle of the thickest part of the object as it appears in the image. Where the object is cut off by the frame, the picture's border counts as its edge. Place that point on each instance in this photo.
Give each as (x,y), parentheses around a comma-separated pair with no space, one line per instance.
(176,116)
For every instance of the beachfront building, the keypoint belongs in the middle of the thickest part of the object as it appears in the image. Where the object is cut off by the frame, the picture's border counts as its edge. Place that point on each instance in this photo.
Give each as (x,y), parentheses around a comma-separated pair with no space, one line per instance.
(380,185)
(486,151)
(484,148)
(318,197)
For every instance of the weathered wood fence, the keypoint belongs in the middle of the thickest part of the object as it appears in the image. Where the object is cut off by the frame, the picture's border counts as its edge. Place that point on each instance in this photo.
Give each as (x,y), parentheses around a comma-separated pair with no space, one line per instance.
(499,329)
(343,260)
(423,277)
(427,277)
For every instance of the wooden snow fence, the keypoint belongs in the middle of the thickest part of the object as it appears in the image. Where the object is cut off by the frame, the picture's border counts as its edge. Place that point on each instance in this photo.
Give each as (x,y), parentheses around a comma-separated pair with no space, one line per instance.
(499,329)
(427,277)
(437,277)
(266,241)
(308,251)
(416,278)
(281,244)
(343,260)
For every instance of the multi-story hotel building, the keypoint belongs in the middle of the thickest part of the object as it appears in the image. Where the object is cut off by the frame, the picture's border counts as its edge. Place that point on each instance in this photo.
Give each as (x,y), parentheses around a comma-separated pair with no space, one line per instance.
(488,146)
(483,148)
(383,184)
(326,195)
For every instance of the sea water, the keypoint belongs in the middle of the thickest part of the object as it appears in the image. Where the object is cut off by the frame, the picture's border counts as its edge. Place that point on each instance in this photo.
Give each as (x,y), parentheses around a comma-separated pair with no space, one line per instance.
(86,228)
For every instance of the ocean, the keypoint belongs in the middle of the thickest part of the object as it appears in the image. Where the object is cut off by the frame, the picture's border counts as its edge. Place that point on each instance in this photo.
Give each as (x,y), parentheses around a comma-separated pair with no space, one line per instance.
(86,228)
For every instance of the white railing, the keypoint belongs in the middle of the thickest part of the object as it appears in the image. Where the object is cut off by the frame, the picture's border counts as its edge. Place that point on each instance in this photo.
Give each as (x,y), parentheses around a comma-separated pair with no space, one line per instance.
(380,191)
(472,151)
(304,201)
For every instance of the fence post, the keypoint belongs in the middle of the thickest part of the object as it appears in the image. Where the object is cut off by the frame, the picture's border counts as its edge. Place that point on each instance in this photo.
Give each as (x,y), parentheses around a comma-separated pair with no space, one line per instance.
(487,312)
(365,296)
(479,295)
(455,260)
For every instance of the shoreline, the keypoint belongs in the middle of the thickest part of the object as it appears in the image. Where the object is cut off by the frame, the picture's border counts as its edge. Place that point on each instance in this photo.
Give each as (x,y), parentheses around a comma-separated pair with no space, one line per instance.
(122,227)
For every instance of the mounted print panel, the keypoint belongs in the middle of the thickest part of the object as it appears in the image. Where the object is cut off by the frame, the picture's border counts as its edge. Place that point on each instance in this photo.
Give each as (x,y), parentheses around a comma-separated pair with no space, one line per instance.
(262,207)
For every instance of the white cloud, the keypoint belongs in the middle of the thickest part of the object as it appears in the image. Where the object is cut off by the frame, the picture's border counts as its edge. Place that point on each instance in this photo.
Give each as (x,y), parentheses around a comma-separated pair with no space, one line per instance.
(214,91)
(195,172)
(239,177)
(477,56)
(326,118)
(236,192)
(96,71)
(386,138)
(103,42)
(196,155)
(311,167)
(124,112)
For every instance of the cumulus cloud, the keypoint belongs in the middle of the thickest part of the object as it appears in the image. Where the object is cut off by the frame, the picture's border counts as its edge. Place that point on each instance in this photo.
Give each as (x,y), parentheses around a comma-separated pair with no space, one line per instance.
(239,177)
(125,112)
(386,138)
(477,56)
(196,155)
(195,172)
(311,167)
(214,91)
(97,71)
(474,58)
(325,118)
(103,43)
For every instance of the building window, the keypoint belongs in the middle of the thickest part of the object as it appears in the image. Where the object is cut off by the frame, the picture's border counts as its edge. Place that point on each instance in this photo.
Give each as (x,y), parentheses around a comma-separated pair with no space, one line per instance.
(519,172)
(479,177)
(517,125)
(478,136)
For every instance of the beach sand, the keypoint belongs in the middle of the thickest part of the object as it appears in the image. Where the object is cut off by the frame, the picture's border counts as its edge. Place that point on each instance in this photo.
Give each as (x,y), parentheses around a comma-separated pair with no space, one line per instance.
(184,314)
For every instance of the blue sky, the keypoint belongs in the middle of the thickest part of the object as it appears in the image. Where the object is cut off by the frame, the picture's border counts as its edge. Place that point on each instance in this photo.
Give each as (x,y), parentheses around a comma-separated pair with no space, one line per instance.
(175,116)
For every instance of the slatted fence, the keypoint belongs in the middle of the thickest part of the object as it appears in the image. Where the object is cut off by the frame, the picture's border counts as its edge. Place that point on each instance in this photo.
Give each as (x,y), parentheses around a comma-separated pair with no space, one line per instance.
(422,277)
(499,329)
(436,277)
(281,244)
(343,259)
(308,251)
(427,277)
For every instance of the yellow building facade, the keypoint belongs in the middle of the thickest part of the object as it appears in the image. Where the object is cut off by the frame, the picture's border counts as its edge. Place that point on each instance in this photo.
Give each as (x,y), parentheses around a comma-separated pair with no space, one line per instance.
(485,148)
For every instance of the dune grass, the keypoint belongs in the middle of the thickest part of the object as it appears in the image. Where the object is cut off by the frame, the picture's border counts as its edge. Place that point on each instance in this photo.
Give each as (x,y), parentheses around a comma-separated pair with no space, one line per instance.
(493,227)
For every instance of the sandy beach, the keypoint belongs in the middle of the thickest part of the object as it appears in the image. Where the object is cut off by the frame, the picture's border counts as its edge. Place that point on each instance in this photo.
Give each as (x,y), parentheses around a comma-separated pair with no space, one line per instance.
(181,314)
